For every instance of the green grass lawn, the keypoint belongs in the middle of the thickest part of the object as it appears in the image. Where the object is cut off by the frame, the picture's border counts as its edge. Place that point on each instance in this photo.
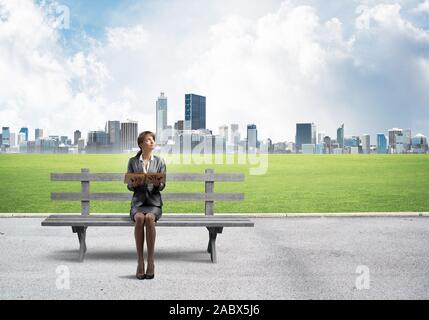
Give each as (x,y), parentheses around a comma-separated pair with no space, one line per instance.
(293,183)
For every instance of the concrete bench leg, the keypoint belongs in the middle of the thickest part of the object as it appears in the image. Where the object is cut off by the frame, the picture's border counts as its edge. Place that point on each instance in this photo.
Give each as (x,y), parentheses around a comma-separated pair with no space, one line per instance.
(81,234)
(211,248)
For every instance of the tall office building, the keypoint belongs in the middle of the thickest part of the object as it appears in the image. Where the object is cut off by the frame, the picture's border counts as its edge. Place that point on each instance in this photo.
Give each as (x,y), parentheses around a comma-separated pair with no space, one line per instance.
(76,136)
(234,135)
(161,119)
(195,112)
(381,143)
(97,138)
(98,142)
(320,136)
(305,134)
(129,134)
(419,144)
(179,125)
(407,139)
(392,139)
(21,138)
(252,137)
(80,145)
(223,132)
(313,134)
(113,130)
(352,141)
(38,134)
(5,140)
(340,136)
(328,144)
(366,143)
(25,131)
(399,138)
(13,139)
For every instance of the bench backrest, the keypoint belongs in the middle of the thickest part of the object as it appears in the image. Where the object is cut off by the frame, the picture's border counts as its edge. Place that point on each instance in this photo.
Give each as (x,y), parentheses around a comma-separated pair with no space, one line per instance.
(85,196)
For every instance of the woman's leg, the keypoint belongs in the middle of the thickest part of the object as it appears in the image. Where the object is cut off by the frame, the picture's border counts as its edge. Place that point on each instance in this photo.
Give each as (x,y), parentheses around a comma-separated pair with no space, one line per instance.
(150,241)
(139,235)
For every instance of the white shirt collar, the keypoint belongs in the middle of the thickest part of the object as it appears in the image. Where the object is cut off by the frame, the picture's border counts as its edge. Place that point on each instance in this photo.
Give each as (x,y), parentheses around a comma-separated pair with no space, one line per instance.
(141,157)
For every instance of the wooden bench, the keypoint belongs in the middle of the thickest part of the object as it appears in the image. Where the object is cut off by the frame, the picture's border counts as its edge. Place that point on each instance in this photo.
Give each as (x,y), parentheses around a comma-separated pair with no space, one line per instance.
(214,224)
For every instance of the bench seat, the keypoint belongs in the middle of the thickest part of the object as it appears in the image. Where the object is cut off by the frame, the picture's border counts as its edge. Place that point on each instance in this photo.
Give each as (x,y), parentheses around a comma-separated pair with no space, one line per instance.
(165,221)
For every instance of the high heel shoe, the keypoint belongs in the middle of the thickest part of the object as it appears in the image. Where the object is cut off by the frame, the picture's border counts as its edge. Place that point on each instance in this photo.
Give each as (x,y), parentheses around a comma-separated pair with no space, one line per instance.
(150,276)
(139,275)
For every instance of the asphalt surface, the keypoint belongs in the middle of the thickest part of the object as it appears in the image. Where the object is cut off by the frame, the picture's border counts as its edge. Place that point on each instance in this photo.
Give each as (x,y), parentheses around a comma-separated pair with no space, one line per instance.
(280,258)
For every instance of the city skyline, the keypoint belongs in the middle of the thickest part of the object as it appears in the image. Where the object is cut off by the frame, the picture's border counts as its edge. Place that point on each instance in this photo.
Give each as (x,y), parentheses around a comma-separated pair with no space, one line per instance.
(307,139)
(240,130)
(276,63)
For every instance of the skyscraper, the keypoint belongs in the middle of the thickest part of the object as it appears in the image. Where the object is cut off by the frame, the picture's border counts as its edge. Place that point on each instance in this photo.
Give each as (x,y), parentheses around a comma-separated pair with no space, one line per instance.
(366,143)
(252,137)
(179,125)
(328,146)
(419,144)
(195,112)
(381,143)
(13,139)
(113,130)
(305,134)
(161,119)
(25,131)
(38,134)
(399,138)
(234,134)
(392,139)
(407,139)
(129,134)
(97,142)
(340,136)
(223,131)
(320,136)
(21,138)
(5,137)
(77,135)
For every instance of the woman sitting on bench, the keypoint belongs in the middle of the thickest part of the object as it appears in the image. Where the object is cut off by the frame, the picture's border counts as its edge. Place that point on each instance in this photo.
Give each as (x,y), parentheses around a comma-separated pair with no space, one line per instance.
(146,204)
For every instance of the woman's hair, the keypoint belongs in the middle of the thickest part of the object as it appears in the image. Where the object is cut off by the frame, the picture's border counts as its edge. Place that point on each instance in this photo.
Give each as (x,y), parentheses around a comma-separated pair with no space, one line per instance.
(141,138)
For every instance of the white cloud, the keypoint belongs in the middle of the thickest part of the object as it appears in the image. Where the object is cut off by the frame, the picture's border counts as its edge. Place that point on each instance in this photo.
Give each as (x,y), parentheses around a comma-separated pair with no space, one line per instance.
(273,69)
(40,86)
(134,38)
(422,7)
(289,66)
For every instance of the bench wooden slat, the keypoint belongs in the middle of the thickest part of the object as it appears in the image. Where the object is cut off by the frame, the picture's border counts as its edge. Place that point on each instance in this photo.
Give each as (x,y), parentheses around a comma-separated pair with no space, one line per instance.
(124,220)
(107,223)
(225,177)
(126,216)
(119,196)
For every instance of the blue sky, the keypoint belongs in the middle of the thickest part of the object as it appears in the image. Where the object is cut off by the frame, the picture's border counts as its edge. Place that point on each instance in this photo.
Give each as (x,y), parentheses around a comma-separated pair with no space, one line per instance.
(272,63)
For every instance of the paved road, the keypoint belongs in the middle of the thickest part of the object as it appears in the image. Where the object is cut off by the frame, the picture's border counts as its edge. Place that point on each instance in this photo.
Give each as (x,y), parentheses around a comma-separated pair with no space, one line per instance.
(281,258)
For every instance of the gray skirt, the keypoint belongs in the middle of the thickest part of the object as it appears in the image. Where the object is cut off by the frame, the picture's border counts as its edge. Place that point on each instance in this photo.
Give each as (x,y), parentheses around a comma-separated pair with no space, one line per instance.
(157,211)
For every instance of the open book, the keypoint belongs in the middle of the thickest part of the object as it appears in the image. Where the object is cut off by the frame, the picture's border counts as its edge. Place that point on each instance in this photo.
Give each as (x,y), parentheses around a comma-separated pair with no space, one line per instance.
(138,179)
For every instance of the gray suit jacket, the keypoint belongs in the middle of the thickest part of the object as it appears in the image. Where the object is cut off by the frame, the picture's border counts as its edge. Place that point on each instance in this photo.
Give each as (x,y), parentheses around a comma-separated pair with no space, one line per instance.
(146,194)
